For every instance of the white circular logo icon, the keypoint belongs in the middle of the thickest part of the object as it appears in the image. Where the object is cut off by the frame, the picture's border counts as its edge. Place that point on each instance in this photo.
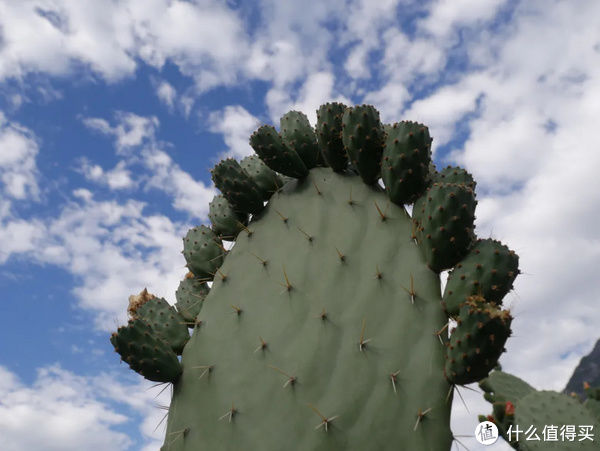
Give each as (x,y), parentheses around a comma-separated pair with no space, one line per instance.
(486,433)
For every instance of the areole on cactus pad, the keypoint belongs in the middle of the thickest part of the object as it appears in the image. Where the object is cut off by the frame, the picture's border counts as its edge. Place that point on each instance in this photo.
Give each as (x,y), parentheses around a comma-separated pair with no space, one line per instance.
(324,326)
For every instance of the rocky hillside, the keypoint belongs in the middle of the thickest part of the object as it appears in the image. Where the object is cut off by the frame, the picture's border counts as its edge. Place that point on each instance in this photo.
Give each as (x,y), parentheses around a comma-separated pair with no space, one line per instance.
(588,370)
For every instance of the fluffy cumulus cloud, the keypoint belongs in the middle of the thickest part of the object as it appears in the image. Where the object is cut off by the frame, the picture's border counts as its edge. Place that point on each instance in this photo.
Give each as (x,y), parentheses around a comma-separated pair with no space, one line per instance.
(18,236)
(166,93)
(114,249)
(236,125)
(63,411)
(55,37)
(117,178)
(129,131)
(135,140)
(19,174)
(448,16)
(443,110)
(365,22)
(18,170)
(316,90)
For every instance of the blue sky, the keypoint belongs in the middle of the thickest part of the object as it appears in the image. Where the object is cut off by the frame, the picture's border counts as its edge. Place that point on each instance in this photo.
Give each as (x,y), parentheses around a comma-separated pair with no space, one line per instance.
(112,114)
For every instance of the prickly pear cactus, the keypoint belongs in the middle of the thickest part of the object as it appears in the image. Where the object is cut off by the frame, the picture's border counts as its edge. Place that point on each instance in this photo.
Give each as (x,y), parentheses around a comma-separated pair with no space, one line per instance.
(521,413)
(324,327)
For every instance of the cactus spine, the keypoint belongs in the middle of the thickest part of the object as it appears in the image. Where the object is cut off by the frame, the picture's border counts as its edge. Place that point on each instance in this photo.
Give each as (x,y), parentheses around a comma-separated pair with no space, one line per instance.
(324,325)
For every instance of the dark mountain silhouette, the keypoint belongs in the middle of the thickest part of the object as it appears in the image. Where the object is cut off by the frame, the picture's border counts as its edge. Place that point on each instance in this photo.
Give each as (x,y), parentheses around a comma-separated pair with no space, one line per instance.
(588,370)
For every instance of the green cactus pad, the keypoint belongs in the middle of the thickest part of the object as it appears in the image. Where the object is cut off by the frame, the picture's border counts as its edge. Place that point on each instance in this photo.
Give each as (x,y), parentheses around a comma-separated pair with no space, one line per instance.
(298,134)
(237,187)
(269,146)
(267,180)
(406,158)
(329,134)
(593,405)
(226,222)
(444,223)
(203,252)
(456,175)
(477,342)
(167,324)
(324,319)
(145,353)
(501,386)
(540,409)
(536,409)
(363,138)
(488,270)
(190,296)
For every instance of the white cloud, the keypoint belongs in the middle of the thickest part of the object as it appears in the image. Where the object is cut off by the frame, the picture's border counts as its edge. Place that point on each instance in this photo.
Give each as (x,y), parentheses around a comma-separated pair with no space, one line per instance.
(356,63)
(318,88)
(18,183)
(206,40)
(447,15)
(117,178)
(203,39)
(292,40)
(42,37)
(18,170)
(363,28)
(64,411)
(505,153)
(166,93)
(114,250)
(135,139)
(441,110)
(280,60)
(390,101)
(188,194)
(467,404)
(236,125)
(404,60)
(18,236)
(187,103)
(131,130)
(113,247)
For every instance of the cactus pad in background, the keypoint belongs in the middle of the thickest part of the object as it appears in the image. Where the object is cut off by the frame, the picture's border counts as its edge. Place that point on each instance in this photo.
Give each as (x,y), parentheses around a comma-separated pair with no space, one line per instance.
(518,406)
(324,327)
